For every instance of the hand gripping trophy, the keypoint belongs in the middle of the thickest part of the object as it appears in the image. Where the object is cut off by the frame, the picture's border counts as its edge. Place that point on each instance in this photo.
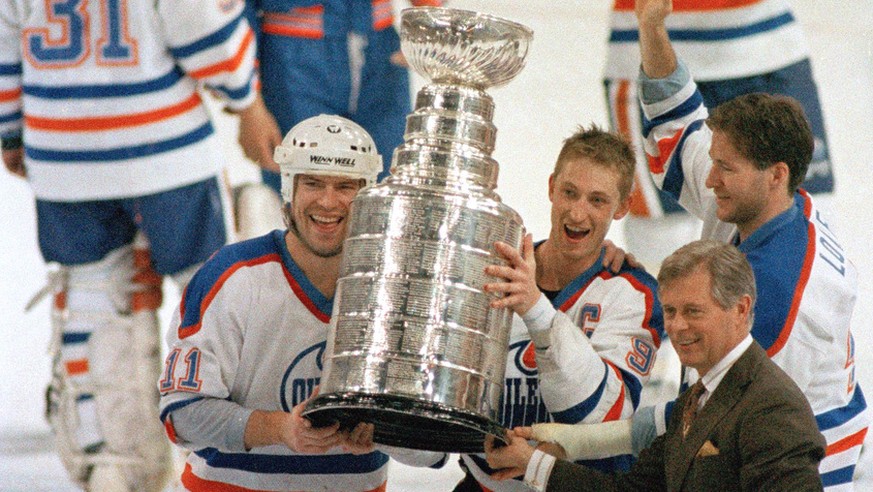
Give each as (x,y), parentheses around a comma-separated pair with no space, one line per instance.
(414,346)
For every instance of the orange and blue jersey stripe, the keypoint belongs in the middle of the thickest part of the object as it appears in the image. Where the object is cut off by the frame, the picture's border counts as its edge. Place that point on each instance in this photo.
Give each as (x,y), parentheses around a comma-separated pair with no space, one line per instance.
(74,343)
(300,464)
(383,14)
(300,22)
(830,423)
(196,484)
(691,5)
(710,34)
(120,153)
(205,43)
(99,123)
(229,65)
(98,91)
(10,95)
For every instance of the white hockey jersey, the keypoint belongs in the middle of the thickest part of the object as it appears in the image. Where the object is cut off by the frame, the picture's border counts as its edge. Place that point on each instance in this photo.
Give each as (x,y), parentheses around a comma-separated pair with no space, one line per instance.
(806,286)
(721,39)
(252,329)
(106,93)
(594,360)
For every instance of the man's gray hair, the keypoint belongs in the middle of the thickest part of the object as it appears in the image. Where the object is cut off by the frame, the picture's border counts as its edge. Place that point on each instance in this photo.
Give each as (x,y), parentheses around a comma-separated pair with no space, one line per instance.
(730,273)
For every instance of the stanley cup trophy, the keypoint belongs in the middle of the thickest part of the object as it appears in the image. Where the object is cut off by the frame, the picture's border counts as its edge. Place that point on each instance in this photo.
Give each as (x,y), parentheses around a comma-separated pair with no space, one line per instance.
(414,346)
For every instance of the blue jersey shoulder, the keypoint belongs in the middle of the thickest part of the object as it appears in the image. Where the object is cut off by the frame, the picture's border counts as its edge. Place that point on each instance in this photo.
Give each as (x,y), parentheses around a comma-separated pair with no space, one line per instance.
(222,264)
(778,254)
(644,282)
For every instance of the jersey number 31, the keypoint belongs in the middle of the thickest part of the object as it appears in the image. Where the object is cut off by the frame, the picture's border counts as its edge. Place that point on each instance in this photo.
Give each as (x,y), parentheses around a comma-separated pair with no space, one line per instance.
(66,39)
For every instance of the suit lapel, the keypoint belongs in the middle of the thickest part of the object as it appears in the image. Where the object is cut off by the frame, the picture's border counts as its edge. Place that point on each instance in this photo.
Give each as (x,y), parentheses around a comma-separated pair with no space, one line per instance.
(729,392)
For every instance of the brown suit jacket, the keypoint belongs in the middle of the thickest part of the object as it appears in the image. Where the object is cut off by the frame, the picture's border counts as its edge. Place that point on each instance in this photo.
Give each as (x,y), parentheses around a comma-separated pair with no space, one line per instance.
(756,432)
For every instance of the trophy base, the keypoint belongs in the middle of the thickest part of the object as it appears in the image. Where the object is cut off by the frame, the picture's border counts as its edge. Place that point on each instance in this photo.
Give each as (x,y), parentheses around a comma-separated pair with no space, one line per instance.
(407,423)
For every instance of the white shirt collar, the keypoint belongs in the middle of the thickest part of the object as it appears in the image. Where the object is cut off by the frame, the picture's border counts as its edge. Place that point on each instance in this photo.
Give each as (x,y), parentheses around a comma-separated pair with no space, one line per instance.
(713,377)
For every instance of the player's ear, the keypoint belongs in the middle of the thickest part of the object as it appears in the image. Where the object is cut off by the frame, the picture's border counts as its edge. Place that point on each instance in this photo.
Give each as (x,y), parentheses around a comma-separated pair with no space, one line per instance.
(623,209)
(780,175)
(551,187)
(743,310)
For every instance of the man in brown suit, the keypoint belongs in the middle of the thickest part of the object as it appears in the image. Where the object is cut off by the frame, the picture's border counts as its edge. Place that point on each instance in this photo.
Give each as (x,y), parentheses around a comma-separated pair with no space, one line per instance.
(744,426)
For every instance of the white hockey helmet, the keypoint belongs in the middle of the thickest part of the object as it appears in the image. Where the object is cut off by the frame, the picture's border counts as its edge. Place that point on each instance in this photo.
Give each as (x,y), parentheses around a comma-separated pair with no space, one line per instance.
(327,145)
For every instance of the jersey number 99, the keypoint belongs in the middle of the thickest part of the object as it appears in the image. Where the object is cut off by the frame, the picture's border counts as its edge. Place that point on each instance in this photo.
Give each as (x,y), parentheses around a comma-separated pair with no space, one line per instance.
(641,358)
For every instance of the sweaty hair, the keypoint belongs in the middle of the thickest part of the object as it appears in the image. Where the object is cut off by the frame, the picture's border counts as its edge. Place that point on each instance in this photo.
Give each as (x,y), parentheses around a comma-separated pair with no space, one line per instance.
(767,129)
(731,276)
(607,149)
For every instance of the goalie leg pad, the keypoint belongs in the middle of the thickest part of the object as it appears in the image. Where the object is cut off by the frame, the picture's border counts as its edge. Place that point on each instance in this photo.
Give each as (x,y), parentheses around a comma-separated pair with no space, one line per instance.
(103,400)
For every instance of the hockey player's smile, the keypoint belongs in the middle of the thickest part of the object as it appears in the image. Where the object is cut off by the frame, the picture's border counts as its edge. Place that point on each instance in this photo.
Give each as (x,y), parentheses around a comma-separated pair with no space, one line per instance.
(576,233)
(325,223)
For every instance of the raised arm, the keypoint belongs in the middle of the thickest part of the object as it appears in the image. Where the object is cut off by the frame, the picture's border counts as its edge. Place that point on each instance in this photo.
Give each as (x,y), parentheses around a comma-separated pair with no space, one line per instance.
(676,138)
(656,52)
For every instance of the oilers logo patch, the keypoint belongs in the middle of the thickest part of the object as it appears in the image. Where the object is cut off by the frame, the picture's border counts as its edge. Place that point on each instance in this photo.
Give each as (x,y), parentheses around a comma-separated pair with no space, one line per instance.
(297,381)
(525,358)
(522,404)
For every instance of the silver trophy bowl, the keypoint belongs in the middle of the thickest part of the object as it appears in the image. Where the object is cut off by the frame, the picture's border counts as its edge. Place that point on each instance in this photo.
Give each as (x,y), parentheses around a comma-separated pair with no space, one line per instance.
(414,346)
(462,47)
